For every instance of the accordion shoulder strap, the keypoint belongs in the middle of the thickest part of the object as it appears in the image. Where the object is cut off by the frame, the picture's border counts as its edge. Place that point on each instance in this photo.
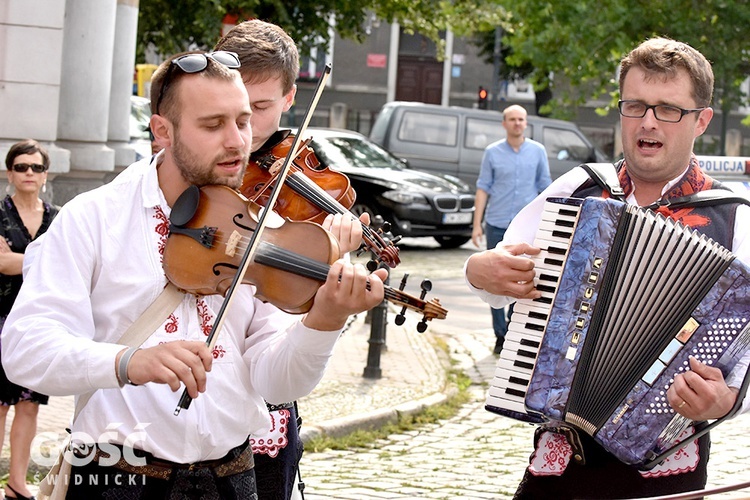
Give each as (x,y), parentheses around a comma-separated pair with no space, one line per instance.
(605,176)
(709,197)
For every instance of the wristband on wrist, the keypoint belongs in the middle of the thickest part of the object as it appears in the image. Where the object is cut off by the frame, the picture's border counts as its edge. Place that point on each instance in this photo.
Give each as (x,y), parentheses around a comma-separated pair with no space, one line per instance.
(122,366)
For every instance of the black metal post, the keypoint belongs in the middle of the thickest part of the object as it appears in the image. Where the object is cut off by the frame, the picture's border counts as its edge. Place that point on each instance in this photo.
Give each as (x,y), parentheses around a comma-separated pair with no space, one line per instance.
(378,323)
(376,341)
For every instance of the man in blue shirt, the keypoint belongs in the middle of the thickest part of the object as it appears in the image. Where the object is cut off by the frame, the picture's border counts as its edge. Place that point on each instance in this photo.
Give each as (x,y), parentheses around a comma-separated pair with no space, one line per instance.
(514,171)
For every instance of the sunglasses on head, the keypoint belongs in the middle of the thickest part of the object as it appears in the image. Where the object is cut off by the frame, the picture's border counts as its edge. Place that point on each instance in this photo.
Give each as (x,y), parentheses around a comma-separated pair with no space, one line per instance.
(195,63)
(37,168)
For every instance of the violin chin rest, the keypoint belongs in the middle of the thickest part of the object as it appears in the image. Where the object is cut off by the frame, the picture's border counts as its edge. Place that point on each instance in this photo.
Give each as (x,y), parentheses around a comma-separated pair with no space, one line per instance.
(185,207)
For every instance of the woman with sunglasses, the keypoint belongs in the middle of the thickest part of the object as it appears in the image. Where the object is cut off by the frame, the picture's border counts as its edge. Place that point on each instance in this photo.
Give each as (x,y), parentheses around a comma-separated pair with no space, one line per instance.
(23,218)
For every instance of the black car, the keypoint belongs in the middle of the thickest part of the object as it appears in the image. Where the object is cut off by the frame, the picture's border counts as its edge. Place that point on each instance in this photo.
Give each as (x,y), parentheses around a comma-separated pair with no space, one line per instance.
(415,203)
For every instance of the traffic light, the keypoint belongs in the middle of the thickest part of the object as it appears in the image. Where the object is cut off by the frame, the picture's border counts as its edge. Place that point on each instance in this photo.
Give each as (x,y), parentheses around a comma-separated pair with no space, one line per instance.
(482,98)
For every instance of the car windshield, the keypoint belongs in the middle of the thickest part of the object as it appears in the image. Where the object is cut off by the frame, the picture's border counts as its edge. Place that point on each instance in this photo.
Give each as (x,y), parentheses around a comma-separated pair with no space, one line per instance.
(341,152)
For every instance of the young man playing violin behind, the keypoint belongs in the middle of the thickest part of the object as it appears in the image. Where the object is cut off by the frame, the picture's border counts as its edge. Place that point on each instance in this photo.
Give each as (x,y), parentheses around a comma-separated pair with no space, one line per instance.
(100,266)
(270,66)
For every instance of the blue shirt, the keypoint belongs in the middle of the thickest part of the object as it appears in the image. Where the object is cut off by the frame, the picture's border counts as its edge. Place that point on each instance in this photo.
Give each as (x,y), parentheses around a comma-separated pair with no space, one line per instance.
(512,179)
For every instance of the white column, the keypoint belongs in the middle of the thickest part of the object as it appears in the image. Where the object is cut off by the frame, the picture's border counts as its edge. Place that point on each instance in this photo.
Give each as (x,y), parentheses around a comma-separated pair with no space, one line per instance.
(30,61)
(447,68)
(88,44)
(123,64)
(393,61)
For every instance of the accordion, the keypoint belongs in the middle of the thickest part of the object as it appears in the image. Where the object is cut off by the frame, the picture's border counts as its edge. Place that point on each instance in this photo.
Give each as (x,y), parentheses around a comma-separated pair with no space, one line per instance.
(628,296)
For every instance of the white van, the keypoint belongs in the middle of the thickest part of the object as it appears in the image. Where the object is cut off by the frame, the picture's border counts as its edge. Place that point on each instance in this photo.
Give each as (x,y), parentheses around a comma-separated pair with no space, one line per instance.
(451,140)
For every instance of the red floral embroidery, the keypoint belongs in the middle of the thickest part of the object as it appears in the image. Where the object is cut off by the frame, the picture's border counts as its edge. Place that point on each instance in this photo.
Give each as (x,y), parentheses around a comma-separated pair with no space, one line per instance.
(275,439)
(218,352)
(171,325)
(162,228)
(205,317)
(683,460)
(551,456)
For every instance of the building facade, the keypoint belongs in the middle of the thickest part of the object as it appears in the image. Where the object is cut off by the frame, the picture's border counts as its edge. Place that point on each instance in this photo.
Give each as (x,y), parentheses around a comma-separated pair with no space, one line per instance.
(67,66)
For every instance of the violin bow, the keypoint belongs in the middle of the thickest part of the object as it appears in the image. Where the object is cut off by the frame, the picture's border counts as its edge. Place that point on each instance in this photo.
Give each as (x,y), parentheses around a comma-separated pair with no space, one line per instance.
(247,257)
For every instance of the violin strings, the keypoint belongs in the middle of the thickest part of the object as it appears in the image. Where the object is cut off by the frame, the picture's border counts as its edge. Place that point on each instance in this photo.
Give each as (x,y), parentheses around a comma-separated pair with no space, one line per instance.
(311,191)
(322,269)
(287,260)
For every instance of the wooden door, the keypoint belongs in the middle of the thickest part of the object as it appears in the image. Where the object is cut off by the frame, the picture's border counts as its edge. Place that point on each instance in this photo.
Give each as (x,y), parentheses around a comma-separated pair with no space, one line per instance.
(419,80)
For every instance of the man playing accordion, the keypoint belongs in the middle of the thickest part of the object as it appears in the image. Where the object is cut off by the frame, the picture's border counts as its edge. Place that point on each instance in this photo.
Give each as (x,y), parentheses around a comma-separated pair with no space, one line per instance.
(665,89)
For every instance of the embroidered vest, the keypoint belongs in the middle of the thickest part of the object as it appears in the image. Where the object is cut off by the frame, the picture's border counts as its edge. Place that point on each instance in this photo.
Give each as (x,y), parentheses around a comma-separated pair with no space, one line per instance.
(716,221)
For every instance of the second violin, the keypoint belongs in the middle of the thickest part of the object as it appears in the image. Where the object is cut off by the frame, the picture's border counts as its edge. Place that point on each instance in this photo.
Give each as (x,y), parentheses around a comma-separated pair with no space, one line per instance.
(310,193)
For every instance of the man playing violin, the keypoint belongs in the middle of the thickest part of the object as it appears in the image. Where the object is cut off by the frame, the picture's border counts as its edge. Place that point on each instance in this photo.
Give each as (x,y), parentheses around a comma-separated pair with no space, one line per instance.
(270,66)
(100,266)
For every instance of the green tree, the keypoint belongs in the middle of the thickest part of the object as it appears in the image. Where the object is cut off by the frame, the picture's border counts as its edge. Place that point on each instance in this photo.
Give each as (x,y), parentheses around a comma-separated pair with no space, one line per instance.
(576,45)
(172,26)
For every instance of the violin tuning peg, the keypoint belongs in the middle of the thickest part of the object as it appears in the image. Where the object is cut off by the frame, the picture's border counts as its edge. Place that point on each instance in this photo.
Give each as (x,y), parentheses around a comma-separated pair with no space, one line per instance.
(422,326)
(426,286)
(385,227)
(372,265)
(402,285)
(396,239)
(400,319)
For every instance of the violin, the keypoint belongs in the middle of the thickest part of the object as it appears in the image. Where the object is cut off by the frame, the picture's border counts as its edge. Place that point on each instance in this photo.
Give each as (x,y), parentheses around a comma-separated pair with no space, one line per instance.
(309,192)
(297,200)
(209,231)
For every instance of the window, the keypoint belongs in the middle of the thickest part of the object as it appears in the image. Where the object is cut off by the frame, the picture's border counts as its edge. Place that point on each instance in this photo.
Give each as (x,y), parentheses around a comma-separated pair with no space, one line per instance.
(565,145)
(482,133)
(429,128)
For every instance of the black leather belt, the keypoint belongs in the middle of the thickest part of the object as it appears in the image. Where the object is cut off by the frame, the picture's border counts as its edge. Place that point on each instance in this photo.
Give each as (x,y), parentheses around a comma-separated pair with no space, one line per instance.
(238,460)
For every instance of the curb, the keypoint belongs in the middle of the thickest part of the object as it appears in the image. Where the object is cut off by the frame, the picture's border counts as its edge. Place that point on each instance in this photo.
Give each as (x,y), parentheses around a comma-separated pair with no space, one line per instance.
(339,427)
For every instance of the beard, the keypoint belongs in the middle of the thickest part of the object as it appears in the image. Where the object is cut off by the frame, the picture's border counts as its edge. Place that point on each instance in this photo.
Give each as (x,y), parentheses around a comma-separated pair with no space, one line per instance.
(200,174)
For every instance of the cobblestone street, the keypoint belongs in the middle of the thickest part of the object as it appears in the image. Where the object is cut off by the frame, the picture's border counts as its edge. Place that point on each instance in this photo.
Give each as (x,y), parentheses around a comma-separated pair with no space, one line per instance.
(476,454)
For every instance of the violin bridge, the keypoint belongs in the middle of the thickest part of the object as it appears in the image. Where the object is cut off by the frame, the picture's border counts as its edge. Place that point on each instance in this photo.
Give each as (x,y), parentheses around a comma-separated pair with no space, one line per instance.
(234,240)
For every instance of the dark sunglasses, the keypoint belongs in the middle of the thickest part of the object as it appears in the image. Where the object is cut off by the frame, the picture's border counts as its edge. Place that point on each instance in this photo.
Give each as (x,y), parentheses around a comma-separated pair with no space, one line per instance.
(37,168)
(195,63)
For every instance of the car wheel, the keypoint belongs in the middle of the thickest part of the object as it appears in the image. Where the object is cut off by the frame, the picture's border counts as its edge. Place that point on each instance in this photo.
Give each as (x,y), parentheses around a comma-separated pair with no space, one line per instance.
(451,241)
(360,208)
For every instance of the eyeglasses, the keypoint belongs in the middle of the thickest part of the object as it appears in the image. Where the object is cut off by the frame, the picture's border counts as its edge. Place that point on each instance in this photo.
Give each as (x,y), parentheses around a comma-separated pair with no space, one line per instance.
(662,112)
(37,168)
(195,63)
